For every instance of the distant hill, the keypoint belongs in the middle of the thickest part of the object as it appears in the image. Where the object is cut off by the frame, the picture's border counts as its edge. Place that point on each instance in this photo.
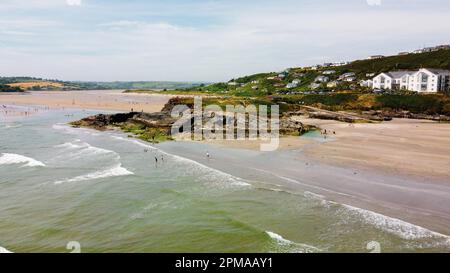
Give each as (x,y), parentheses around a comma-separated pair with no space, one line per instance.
(7,88)
(30,83)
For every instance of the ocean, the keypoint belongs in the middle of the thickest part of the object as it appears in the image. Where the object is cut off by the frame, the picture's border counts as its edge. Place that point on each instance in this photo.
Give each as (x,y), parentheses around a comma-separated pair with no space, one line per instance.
(106,192)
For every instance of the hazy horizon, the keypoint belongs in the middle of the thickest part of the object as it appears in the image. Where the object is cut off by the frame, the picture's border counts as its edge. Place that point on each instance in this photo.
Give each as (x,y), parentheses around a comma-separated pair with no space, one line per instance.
(205,41)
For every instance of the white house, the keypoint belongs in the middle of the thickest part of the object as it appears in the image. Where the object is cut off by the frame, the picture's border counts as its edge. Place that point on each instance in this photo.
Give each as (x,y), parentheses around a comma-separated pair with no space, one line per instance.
(328,72)
(424,80)
(347,75)
(332,84)
(430,80)
(321,79)
(366,83)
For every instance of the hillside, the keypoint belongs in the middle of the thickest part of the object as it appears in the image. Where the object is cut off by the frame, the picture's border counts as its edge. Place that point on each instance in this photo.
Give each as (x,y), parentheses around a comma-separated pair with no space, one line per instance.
(438,59)
(7,88)
(274,83)
(36,85)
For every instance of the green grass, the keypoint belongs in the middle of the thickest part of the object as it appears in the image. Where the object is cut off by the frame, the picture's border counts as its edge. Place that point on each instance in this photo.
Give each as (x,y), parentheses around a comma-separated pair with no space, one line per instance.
(153,135)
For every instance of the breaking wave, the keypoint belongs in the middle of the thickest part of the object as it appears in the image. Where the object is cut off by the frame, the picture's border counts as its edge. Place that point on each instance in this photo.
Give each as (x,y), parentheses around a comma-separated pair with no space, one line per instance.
(79,148)
(115,171)
(289,246)
(211,172)
(401,228)
(4,250)
(10,159)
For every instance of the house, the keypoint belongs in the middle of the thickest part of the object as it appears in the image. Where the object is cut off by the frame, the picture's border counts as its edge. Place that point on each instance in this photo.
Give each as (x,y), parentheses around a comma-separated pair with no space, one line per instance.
(328,72)
(340,63)
(321,79)
(279,85)
(430,80)
(332,84)
(315,85)
(255,87)
(403,53)
(392,80)
(255,82)
(350,79)
(366,83)
(291,85)
(296,81)
(232,83)
(370,75)
(423,80)
(347,75)
(375,57)
(440,47)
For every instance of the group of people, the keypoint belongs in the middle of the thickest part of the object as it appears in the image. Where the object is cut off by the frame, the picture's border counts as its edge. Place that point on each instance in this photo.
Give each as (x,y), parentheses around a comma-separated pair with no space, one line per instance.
(326,132)
(5,111)
(161,157)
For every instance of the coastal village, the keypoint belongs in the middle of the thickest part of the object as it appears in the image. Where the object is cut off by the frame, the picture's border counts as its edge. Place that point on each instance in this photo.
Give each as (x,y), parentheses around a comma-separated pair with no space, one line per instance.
(360,75)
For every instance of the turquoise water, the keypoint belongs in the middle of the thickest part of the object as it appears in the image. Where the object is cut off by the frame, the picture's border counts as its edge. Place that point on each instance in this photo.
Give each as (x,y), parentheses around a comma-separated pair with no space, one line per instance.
(59,184)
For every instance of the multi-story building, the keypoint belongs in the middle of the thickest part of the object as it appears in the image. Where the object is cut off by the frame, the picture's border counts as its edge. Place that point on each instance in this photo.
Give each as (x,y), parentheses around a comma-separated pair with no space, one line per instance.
(423,80)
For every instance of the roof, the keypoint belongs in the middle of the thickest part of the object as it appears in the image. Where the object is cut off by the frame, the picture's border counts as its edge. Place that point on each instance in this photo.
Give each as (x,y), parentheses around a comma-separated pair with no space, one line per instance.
(438,71)
(399,74)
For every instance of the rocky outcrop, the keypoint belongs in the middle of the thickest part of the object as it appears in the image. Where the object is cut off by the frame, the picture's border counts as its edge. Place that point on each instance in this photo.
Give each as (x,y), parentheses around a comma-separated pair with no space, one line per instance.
(163,121)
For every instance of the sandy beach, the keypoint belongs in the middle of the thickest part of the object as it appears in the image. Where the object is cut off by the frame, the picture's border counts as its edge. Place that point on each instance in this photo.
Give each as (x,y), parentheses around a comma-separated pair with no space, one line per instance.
(397,168)
(95,99)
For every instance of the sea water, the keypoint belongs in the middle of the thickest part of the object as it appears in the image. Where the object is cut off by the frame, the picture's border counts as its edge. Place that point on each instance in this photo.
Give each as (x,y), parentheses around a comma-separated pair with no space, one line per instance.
(106,192)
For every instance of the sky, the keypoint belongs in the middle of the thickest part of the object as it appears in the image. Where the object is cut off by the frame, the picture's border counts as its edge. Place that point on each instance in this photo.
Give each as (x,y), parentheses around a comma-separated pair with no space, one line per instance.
(205,40)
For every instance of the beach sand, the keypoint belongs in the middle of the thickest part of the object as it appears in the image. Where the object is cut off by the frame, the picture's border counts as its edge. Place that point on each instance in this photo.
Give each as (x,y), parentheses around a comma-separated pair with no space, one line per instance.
(409,147)
(398,168)
(401,146)
(96,99)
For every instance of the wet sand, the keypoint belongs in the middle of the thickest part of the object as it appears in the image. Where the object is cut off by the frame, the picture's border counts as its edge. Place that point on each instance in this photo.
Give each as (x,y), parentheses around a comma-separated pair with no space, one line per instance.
(409,198)
(398,168)
(409,147)
(418,148)
(96,99)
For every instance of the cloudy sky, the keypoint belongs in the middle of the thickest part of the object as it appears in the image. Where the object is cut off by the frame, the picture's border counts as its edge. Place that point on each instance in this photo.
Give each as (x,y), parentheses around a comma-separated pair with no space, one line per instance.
(205,40)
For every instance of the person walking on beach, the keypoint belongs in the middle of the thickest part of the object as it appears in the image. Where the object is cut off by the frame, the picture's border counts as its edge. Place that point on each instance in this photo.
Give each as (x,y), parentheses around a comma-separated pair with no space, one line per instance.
(208,156)
(156,161)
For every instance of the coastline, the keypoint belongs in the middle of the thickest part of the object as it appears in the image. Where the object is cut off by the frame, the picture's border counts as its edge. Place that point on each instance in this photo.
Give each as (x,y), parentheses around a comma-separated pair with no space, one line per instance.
(93,99)
(334,169)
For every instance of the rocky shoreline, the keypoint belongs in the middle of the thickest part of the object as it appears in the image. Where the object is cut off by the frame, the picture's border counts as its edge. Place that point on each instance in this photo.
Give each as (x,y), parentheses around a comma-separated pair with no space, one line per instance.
(156,127)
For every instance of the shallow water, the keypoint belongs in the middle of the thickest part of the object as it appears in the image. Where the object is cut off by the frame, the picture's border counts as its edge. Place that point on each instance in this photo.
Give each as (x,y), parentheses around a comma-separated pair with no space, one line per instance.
(59,184)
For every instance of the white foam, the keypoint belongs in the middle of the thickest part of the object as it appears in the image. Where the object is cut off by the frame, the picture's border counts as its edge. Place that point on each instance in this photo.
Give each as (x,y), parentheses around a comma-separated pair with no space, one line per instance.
(388,224)
(10,159)
(115,171)
(79,148)
(296,247)
(4,250)
(74,131)
(235,181)
(399,227)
